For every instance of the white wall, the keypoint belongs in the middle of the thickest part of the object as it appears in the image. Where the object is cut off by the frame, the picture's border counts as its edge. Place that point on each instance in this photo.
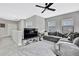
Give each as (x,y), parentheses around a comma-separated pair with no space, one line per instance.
(40,23)
(21,24)
(37,22)
(32,20)
(21,27)
(9,26)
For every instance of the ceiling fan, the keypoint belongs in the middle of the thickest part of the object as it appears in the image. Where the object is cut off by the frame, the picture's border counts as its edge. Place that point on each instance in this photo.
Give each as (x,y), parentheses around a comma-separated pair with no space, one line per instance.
(47,5)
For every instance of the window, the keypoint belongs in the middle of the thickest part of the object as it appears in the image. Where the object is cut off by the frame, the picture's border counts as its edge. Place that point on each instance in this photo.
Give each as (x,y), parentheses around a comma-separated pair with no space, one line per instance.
(52,26)
(67,25)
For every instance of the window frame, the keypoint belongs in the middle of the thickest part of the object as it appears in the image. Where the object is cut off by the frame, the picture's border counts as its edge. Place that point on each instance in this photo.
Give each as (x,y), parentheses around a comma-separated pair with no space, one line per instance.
(72,25)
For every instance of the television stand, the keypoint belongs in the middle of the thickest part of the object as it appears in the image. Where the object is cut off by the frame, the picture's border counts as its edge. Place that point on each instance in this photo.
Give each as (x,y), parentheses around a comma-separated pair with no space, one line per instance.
(30,40)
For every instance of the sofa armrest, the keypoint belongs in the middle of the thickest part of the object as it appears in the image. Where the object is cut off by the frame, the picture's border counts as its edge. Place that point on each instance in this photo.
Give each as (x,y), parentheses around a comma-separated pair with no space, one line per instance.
(56,49)
(65,49)
(68,49)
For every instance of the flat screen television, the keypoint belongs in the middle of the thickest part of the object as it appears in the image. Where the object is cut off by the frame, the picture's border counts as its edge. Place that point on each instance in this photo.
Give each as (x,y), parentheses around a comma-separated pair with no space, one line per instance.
(30,33)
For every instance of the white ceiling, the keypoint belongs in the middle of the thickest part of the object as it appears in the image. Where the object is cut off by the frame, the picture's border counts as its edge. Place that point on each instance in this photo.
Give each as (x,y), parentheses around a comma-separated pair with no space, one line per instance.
(13,11)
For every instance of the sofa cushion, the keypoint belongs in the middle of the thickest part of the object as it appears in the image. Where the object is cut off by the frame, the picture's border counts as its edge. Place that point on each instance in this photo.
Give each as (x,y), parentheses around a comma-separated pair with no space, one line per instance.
(57,34)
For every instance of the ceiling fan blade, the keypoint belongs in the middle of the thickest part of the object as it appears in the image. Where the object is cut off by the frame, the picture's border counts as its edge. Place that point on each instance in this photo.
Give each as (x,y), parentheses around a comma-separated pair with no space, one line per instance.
(49,5)
(40,6)
(43,11)
(51,9)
